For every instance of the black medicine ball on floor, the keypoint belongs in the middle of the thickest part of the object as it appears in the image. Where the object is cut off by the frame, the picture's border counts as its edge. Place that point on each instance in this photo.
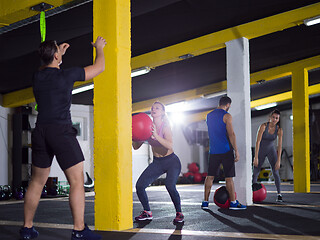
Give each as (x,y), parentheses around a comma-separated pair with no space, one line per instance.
(221,197)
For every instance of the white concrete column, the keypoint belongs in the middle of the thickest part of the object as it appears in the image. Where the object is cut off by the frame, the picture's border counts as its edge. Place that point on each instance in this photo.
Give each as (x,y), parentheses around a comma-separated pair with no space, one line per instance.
(238,89)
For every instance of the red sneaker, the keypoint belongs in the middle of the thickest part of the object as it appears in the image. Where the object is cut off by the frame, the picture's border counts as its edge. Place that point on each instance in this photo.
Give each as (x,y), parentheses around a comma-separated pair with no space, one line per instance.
(179,217)
(144,216)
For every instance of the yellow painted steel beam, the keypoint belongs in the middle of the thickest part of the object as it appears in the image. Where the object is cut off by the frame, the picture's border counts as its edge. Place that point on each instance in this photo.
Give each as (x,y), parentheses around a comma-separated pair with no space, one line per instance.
(314,89)
(285,70)
(217,40)
(281,97)
(25,96)
(301,144)
(14,11)
(18,98)
(268,74)
(182,96)
(196,117)
(112,118)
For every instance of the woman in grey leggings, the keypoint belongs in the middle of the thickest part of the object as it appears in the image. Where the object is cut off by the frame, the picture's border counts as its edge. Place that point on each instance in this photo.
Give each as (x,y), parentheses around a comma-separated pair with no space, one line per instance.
(265,147)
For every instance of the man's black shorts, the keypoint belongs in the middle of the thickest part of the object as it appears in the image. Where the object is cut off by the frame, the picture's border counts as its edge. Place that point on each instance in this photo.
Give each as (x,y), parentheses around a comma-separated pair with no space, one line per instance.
(227,161)
(55,139)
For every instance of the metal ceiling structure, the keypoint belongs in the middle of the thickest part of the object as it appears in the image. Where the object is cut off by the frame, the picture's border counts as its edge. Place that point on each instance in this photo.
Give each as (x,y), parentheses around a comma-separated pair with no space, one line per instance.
(162,32)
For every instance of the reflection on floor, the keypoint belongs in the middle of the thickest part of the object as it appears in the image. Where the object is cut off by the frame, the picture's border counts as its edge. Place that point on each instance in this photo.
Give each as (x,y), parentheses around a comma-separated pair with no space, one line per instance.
(298,217)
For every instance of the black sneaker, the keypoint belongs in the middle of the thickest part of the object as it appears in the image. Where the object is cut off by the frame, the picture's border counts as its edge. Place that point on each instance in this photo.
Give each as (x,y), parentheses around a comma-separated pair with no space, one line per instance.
(85,234)
(28,233)
(279,198)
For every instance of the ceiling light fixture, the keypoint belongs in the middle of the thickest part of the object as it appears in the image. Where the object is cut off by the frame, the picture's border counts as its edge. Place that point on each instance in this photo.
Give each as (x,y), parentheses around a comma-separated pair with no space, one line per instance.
(82,89)
(140,71)
(134,73)
(262,81)
(265,106)
(213,95)
(312,21)
(186,56)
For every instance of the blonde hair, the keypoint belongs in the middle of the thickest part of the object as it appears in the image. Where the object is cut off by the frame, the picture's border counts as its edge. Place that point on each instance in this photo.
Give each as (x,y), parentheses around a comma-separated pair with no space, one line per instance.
(165,118)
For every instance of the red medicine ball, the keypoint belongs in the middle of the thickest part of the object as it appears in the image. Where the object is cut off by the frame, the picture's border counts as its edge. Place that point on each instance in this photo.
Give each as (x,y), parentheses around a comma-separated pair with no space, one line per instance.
(141,127)
(221,197)
(197,177)
(193,167)
(259,192)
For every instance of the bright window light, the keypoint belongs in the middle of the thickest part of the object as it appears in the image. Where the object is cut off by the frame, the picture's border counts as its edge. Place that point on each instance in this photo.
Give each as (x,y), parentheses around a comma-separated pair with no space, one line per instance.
(176,107)
(82,89)
(177,117)
(312,21)
(265,106)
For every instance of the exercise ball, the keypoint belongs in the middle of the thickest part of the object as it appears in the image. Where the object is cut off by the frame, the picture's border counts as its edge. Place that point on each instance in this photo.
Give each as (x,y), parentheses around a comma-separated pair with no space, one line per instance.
(18,193)
(2,193)
(7,191)
(141,127)
(193,167)
(221,197)
(259,192)
(197,177)
(189,176)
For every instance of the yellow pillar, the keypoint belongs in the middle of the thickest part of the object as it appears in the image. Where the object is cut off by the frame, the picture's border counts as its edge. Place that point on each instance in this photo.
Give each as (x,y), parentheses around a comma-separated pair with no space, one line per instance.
(301,145)
(112,118)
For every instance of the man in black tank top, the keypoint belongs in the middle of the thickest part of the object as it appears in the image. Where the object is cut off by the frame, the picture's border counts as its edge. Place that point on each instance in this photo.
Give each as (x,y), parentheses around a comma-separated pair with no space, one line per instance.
(55,136)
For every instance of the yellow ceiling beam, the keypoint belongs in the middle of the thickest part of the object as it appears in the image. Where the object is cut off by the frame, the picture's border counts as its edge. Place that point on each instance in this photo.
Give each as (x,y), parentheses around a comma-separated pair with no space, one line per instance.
(207,43)
(217,40)
(284,70)
(144,106)
(314,89)
(268,74)
(275,98)
(196,117)
(25,96)
(18,98)
(14,11)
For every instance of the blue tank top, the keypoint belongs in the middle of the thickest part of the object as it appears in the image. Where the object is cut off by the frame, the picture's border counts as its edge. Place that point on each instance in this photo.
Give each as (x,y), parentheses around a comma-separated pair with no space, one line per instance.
(218,137)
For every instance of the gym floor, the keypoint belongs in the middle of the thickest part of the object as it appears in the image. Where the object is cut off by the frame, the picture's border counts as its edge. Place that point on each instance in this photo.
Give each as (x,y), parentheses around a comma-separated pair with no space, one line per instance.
(298,217)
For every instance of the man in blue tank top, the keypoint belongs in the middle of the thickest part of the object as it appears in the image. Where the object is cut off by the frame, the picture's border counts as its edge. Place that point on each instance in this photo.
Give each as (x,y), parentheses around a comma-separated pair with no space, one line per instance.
(223,150)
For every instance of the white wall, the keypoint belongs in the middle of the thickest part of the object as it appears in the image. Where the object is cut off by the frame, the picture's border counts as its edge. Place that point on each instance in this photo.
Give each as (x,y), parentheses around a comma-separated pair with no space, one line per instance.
(141,158)
(140,161)
(84,115)
(5,150)
(181,148)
